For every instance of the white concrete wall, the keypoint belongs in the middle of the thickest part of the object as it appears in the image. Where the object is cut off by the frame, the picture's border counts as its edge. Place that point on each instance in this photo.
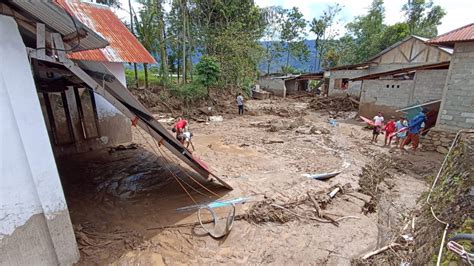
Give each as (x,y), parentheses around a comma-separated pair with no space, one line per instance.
(29,180)
(118,70)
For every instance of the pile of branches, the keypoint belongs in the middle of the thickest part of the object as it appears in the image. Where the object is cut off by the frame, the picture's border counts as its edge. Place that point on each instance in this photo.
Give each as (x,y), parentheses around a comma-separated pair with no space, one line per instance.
(301,208)
(337,103)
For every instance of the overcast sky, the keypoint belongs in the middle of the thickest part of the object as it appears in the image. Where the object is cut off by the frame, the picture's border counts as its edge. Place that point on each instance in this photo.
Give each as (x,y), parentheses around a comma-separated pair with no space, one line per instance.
(459,12)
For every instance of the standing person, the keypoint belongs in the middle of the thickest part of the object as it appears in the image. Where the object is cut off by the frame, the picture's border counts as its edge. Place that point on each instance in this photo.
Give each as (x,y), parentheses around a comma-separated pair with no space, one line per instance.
(415,126)
(378,123)
(389,129)
(179,127)
(240,103)
(401,123)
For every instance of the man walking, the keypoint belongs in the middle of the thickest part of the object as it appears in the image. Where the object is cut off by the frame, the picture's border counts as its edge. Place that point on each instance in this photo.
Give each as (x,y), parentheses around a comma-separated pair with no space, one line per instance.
(240,103)
(415,126)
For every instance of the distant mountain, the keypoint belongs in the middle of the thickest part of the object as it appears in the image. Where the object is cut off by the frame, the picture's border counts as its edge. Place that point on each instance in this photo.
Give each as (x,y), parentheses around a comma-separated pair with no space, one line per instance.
(262,67)
(302,66)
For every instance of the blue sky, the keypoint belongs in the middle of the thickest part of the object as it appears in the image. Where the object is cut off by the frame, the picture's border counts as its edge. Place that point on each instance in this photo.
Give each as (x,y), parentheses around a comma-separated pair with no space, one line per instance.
(459,12)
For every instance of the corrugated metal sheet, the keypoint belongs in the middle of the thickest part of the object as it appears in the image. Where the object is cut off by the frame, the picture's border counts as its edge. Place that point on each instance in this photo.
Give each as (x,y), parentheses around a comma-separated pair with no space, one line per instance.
(124,47)
(462,34)
(58,19)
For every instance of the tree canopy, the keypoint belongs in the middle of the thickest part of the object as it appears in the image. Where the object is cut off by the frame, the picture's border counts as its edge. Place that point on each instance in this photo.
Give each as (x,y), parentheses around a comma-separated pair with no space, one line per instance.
(240,37)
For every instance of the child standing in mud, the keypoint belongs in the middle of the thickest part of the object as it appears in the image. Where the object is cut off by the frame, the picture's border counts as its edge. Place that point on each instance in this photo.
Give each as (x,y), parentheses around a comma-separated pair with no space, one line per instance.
(401,123)
(378,123)
(389,129)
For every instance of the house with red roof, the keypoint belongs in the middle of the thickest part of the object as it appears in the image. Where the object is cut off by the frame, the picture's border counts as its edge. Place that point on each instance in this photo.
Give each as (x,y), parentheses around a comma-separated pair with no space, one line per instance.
(63,93)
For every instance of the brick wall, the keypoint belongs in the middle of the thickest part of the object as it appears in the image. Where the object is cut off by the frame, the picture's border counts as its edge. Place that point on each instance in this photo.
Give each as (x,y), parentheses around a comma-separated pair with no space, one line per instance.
(355,87)
(275,86)
(384,95)
(429,85)
(457,107)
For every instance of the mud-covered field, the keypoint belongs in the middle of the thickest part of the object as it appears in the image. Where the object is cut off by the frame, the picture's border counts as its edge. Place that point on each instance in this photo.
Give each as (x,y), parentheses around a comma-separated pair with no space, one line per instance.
(123,202)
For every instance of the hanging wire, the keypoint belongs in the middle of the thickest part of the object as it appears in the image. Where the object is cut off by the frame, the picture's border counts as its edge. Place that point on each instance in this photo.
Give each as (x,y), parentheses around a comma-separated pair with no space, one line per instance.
(171,172)
(186,173)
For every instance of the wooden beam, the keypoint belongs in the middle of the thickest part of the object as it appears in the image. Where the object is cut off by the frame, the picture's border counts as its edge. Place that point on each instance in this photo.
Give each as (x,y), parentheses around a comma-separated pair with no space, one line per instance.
(411,59)
(403,54)
(41,40)
(59,45)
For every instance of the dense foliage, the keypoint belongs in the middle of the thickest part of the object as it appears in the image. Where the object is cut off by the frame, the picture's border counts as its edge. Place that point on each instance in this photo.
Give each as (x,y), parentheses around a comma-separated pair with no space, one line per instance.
(238,36)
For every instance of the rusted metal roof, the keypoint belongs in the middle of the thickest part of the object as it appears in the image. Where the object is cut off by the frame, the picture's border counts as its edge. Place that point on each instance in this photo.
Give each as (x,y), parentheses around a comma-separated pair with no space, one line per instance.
(441,65)
(463,34)
(56,18)
(124,47)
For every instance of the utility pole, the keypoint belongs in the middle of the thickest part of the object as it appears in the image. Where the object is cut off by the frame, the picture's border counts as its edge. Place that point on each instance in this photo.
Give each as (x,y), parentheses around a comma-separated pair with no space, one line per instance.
(132,31)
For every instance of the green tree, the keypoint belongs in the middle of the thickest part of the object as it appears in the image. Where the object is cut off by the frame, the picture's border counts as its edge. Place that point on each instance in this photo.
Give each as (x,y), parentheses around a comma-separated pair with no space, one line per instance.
(339,52)
(146,30)
(112,3)
(367,31)
(293,35)
(271,37)
(423,17)
(322,28)
(161,37)
(207,72)
(230,31)
(393,34)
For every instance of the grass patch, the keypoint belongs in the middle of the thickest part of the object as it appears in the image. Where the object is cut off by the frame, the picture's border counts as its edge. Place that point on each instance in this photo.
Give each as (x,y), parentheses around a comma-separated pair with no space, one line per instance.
(153,79)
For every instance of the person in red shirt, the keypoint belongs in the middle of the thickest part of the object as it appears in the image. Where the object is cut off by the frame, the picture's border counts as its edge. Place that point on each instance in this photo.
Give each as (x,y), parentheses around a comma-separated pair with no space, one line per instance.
(179,128)
(389,129)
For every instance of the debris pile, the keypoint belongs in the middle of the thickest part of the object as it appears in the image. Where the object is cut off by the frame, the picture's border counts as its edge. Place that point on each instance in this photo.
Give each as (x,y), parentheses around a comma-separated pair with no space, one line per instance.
(334,104)
(371,178)
(305,207)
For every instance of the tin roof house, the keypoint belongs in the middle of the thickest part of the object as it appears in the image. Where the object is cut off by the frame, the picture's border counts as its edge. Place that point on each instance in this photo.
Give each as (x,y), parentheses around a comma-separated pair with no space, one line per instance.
(62,92)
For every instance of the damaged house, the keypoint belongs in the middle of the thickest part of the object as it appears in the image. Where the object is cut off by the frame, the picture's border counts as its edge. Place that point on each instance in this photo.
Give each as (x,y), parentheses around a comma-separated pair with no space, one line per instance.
(63,92)
(411,52)
(284,85)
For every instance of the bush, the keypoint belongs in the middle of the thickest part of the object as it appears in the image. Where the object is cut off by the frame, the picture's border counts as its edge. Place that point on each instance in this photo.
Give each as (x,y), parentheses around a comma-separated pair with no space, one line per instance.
(207,72)
(189,93)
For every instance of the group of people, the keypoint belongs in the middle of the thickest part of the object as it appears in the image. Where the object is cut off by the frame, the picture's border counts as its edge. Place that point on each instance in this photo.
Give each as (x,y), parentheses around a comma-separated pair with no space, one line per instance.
(404,131)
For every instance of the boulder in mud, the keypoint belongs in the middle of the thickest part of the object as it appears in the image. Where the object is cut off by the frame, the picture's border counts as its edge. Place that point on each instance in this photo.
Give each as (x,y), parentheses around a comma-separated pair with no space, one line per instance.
(319,130)
(277,125)
(298,122)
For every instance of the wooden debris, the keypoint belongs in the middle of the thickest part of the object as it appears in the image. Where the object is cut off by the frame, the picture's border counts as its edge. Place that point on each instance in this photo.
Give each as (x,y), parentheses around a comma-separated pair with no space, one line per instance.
(380,250)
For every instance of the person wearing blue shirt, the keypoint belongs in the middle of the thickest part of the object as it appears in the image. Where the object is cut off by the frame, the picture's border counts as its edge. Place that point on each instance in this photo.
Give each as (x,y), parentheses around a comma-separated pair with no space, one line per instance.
(415,126)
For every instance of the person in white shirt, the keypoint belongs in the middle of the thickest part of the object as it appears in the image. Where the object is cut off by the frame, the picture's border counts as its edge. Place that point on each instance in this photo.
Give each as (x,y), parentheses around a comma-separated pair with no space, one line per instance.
(378,124)
(240,103)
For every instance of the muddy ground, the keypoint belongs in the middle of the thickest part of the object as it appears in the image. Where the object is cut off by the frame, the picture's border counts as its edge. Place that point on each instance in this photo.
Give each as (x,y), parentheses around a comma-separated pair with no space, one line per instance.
(121,200)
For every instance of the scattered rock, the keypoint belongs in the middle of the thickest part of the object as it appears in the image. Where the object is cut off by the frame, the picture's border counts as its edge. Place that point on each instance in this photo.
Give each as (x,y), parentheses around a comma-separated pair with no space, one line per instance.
(321,130)
(298,122)
(272,141)
(216,118)
(303,130)
(260,124)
